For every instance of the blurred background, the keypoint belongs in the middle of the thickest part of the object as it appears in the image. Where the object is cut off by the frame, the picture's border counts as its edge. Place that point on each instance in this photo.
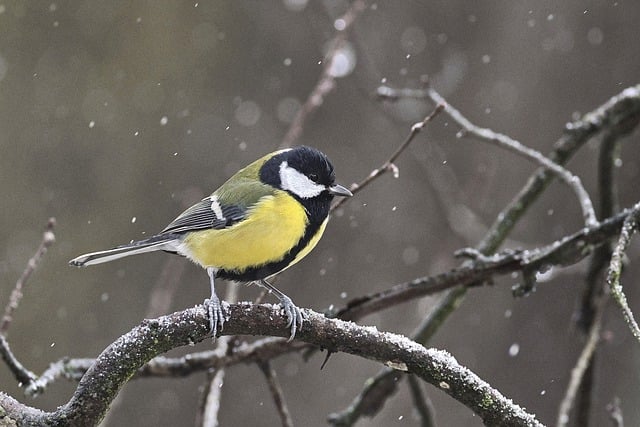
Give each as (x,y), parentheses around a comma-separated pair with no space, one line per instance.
(115,116)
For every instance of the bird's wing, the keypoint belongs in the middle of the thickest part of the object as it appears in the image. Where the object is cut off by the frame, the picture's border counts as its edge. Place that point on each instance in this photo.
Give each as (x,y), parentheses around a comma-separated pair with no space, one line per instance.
(227,206)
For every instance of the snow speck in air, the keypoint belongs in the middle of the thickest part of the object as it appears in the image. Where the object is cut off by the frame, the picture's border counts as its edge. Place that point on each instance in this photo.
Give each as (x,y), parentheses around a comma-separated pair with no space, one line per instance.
(92,124)
(136,133)
(514,349)
(339,24)
(133,220)
(164,120)
(343,295)
(287,62)
(52,345)
(104,297)
(486,59)
(508,313)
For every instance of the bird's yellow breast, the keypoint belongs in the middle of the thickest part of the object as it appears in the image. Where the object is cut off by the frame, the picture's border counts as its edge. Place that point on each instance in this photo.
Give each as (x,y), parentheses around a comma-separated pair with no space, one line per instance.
(270,230)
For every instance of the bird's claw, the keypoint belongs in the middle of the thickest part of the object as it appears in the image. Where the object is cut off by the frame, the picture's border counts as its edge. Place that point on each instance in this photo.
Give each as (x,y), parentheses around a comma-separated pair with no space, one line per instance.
(216,315)
(294,316)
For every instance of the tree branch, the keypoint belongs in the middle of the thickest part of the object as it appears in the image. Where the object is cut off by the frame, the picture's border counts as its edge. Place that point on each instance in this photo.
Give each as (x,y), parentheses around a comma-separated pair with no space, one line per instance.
(389,164)
(126,355)
(48,238)
(276,391)
(629,227)
(326,83)
(481,269)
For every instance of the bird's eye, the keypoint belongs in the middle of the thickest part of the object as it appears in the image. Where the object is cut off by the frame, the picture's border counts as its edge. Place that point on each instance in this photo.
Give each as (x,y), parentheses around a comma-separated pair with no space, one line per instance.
(313,177)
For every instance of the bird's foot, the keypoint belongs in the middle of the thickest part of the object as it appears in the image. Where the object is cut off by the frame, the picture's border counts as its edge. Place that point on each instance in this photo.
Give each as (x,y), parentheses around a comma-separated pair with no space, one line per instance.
(294,315)
(215,313)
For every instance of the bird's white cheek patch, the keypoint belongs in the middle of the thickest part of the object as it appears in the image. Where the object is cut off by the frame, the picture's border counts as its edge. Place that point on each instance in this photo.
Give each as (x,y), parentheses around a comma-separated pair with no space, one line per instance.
(298,183)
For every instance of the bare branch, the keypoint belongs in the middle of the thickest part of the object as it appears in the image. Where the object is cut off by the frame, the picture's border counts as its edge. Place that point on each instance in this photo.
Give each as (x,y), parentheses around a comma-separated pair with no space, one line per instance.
(48,238)
(326,83)
(565,251)
(389,165)
(618,117)
(276,392)
(629,227)
(422,403)
(22,374)
(103,380)
(207,415)
(504,141)
(583,363)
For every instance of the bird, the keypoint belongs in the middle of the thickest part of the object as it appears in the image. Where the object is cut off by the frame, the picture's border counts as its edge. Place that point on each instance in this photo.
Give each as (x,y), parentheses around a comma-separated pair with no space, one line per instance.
(261,221)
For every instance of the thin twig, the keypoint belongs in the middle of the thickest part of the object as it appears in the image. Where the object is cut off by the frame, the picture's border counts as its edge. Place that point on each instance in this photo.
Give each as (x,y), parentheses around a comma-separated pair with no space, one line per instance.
(389,165)
(618,117)
(583,363)
(326,83)
(424,406)
(207,415)
(594,280)
(565,251)
(24,377)
(629,227)
(22,374)
(276,392)
(504,141)
(48,238)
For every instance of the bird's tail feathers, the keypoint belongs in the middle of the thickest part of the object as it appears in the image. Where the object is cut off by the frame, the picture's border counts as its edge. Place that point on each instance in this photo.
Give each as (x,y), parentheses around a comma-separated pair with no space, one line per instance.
(156,243)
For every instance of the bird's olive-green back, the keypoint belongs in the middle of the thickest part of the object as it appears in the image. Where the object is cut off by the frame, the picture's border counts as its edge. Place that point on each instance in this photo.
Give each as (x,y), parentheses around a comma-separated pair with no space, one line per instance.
(245,188)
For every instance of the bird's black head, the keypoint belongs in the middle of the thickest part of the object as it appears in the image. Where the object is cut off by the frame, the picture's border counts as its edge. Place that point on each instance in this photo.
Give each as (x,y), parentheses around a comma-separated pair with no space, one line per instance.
(304,172)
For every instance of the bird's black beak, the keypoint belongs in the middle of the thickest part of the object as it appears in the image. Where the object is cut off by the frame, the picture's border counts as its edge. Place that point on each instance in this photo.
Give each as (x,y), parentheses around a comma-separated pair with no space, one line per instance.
(339,190)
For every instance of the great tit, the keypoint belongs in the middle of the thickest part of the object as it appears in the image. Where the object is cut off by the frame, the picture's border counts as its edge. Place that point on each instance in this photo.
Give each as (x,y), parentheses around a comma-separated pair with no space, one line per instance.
(264,219)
